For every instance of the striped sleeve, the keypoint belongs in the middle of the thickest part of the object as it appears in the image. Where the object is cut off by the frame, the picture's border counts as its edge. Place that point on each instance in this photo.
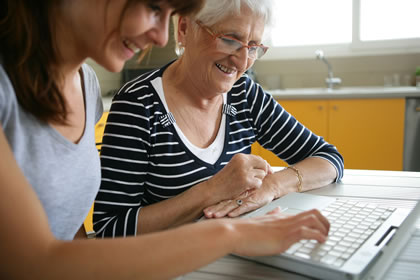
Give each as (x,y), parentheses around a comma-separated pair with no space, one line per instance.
(124,160)
(279,132)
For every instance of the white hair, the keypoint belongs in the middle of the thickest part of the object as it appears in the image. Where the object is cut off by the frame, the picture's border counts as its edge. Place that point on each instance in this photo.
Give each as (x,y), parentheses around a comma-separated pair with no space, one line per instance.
(215,11)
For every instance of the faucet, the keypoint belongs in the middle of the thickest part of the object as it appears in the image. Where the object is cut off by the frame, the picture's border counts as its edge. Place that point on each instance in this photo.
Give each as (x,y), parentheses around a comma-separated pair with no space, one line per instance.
(331,81)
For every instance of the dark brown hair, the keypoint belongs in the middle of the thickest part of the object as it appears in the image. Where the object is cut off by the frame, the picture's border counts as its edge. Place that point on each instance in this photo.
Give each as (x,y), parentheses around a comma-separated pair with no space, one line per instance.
(29,54)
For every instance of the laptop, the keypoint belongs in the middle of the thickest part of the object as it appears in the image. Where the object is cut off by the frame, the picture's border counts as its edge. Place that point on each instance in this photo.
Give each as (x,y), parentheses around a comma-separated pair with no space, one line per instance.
(363,241)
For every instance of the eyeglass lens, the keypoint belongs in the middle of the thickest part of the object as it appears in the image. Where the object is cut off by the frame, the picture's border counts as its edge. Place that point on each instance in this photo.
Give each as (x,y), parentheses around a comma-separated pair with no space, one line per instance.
(231,46)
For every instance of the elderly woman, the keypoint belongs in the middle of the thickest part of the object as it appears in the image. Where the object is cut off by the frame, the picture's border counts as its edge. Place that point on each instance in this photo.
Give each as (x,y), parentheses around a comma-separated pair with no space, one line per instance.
(178,139)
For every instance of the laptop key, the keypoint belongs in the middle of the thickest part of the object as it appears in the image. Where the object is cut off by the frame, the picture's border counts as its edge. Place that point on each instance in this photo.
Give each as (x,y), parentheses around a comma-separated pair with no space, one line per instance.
(302,255)
(349,239)
(335,253)
(346,256)
(339,248)
(304,250)
(310,245)
(345,244)
(293,248)
(321,253)
(358,231)
(328,259)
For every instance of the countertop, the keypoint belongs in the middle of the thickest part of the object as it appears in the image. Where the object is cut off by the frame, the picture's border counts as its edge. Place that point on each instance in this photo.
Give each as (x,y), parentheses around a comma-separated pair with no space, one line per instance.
(346,93)
(324,93)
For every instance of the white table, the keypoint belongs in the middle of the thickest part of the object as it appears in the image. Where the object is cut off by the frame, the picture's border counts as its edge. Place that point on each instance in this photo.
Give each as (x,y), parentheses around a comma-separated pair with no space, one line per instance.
(387,188)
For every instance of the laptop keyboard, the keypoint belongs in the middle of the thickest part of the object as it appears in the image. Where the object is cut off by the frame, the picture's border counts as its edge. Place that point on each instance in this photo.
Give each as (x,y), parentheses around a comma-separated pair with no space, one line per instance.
(351,225)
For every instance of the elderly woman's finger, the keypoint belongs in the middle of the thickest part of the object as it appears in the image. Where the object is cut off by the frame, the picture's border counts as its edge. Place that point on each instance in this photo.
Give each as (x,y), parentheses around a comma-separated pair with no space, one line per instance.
(244,194)
(258,161)
(246,207)
(269,168)
(221,209)
(259,173)
(211,210)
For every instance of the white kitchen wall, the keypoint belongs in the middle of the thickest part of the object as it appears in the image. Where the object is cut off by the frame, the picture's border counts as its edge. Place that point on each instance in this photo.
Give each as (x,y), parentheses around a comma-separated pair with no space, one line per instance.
(354,71)
(293,73)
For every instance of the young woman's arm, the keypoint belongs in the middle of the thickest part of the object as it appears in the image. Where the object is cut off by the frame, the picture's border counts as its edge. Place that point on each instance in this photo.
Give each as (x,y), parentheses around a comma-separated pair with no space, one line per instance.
(28,249)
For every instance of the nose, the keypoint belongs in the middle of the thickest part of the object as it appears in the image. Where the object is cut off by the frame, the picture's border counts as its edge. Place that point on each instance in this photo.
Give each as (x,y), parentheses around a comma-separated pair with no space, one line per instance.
(241,58)
(159,33)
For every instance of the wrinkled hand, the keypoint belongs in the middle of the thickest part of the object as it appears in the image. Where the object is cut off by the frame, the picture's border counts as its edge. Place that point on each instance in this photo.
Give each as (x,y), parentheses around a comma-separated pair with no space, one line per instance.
(243,172)
(248,201)
(274,233)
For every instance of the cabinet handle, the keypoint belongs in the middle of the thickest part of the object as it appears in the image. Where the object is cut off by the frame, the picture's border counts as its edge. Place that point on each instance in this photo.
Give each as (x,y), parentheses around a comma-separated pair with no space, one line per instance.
(335,107)
(320,108)
(417,109)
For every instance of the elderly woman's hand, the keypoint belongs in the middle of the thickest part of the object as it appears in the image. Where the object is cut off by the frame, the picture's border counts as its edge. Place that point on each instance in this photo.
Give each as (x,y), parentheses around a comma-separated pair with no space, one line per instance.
(246,202)
(243,172)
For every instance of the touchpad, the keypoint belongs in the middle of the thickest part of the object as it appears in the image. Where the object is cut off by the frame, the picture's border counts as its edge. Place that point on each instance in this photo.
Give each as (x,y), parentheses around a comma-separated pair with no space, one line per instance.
(291,211)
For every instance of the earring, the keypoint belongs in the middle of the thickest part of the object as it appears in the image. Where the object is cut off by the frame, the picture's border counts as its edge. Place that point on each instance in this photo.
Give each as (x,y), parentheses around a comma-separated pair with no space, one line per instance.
(179,49)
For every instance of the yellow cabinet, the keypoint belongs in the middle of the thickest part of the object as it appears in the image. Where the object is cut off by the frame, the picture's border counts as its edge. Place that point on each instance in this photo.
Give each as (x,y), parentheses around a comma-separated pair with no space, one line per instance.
(311,113)
(369,133)
(99,130)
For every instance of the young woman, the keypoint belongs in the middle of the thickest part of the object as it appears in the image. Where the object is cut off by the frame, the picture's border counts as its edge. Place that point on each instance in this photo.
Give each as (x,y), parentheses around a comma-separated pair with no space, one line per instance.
(49,167)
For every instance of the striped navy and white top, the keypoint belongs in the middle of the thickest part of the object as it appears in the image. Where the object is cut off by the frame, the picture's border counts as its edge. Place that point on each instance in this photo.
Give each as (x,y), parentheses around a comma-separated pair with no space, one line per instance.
(144,160)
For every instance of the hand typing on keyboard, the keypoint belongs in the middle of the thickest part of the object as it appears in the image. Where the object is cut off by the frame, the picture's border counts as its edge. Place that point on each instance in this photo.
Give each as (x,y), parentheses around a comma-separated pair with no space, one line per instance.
(275,232)
(351,224)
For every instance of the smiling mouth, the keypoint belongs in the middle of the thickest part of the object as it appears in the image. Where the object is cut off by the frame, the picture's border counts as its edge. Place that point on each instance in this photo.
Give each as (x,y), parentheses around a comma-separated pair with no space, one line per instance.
(130,45)
(224,69)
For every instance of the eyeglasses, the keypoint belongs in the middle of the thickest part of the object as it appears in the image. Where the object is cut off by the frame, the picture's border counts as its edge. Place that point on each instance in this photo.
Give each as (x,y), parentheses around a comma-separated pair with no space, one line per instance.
(231,45)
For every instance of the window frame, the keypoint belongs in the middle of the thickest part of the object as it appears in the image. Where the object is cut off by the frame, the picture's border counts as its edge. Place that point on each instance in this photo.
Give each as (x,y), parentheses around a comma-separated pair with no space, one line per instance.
(355,48)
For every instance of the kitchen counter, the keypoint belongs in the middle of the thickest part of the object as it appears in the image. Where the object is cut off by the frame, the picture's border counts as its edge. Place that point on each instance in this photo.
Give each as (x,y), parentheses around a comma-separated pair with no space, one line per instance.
(346,93)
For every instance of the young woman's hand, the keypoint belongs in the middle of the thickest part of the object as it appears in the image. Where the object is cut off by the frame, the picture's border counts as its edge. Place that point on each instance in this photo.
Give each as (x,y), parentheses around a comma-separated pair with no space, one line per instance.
(274,233)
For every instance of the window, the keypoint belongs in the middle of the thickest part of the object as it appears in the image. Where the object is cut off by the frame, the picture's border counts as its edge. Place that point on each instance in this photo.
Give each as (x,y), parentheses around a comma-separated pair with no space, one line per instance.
(344,27)
(309,22)
(389,19)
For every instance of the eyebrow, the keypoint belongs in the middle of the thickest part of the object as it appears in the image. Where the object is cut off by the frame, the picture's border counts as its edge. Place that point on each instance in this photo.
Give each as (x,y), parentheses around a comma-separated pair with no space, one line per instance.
(239,37)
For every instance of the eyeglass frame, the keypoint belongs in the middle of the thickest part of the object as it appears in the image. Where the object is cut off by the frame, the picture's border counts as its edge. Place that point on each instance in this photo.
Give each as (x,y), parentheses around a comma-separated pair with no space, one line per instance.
(221,35)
